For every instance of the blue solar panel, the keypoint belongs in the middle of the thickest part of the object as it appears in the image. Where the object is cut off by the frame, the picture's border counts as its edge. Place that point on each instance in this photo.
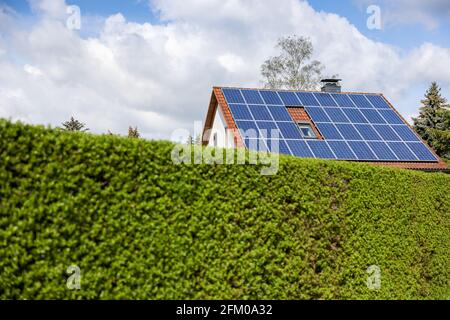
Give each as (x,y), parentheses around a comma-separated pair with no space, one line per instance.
(336,115)
(382,150)
(299,148)
(405,133)
(317,114)
(367,132)
(421,151)
(360,101)
(321,149)
(289,98)
(373,116)
(307,99)
(354,126)
(378,102)
(362,150)
(343,100)
(390,116)
(260,112)
(325,99)
(386,132)
(233,95)
(348,131)
(240,112)
(277,146)
(289,130)
(252,96)
(268,129)
(354,115)
(341,150)
(329,131)
(270,97)
(255,144)
(280,113)
(402,151)
(248,129)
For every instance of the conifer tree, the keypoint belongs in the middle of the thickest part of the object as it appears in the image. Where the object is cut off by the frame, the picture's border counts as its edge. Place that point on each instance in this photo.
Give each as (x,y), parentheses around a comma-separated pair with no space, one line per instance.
(433,122)
(73,125)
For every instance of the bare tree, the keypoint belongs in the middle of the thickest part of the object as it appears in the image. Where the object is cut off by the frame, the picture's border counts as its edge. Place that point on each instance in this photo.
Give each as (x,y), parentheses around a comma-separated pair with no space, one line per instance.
(133,132)
(190,140)
(293,68)
(73,125)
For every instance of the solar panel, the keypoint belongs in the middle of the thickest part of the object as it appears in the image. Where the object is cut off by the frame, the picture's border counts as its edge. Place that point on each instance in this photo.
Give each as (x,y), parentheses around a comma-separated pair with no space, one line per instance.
(307,99)
(299,148)
(248,129)
(373,116)
(336,115)
(255,144)
(240,112)
(267,129)
(367,132)
(382,150)
(280,113)
(289,130)
(233,95)
(270,97)
(378,102)
(317,114)
(325,99)
(421,151)
(362,150)
(348,131)
(402,151)
(390,116)
(277,146)
(360,101)
(252,97)
(386,132)
(342,150)
(320,149)
(354,115)
(354,126)
(404,132)
(329,131)
(343,100)
(289,98)
(260,112)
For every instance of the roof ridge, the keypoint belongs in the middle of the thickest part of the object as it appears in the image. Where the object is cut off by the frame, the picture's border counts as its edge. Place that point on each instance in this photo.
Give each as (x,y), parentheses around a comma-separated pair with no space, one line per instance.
(291,90)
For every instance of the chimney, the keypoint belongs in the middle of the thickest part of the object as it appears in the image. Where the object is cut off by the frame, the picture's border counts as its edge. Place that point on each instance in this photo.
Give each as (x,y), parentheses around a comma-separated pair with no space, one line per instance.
(331,85)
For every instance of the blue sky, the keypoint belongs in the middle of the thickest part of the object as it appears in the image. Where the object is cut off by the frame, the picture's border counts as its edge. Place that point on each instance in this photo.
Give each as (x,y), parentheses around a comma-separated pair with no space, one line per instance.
(153,63)
(404,35)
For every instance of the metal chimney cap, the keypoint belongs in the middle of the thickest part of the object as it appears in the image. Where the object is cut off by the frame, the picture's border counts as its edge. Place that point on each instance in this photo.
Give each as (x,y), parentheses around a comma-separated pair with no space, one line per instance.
(331,80)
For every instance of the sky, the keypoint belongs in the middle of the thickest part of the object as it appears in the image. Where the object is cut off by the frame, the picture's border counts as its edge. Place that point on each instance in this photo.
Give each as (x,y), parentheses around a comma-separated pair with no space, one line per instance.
(153,63)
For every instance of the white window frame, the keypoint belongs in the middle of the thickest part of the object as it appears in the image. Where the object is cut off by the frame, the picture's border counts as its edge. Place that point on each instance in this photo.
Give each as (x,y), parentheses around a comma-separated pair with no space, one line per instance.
(304,124)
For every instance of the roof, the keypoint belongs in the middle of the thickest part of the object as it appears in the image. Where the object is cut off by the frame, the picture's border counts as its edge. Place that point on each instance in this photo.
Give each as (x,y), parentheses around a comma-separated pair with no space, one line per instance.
(350,126)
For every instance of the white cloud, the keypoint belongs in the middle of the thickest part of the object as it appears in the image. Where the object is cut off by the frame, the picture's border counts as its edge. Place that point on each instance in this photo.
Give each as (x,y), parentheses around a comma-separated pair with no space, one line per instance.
(159,76)
(51,8)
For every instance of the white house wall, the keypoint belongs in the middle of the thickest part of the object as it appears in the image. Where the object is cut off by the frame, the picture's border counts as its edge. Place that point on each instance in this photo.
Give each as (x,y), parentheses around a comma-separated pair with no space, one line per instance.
(225,138)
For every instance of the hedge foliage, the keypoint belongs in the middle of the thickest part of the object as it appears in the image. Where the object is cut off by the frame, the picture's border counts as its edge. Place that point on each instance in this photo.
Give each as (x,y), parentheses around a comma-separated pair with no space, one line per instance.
(139,226)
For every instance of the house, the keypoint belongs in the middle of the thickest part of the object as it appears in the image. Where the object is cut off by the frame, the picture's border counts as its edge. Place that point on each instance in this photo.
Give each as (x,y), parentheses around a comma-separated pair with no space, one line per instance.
(327,124)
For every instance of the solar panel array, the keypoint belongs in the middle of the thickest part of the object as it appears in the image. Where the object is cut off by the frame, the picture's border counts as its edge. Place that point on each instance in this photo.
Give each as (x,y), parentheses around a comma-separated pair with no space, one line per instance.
(354,126)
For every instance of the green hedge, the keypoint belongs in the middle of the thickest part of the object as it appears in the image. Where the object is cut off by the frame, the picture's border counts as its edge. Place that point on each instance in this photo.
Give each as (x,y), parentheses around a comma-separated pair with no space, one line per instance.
(139,226)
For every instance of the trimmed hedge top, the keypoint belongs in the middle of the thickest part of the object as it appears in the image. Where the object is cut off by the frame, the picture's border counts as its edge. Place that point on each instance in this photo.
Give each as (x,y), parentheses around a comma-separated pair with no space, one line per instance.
(139,226)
